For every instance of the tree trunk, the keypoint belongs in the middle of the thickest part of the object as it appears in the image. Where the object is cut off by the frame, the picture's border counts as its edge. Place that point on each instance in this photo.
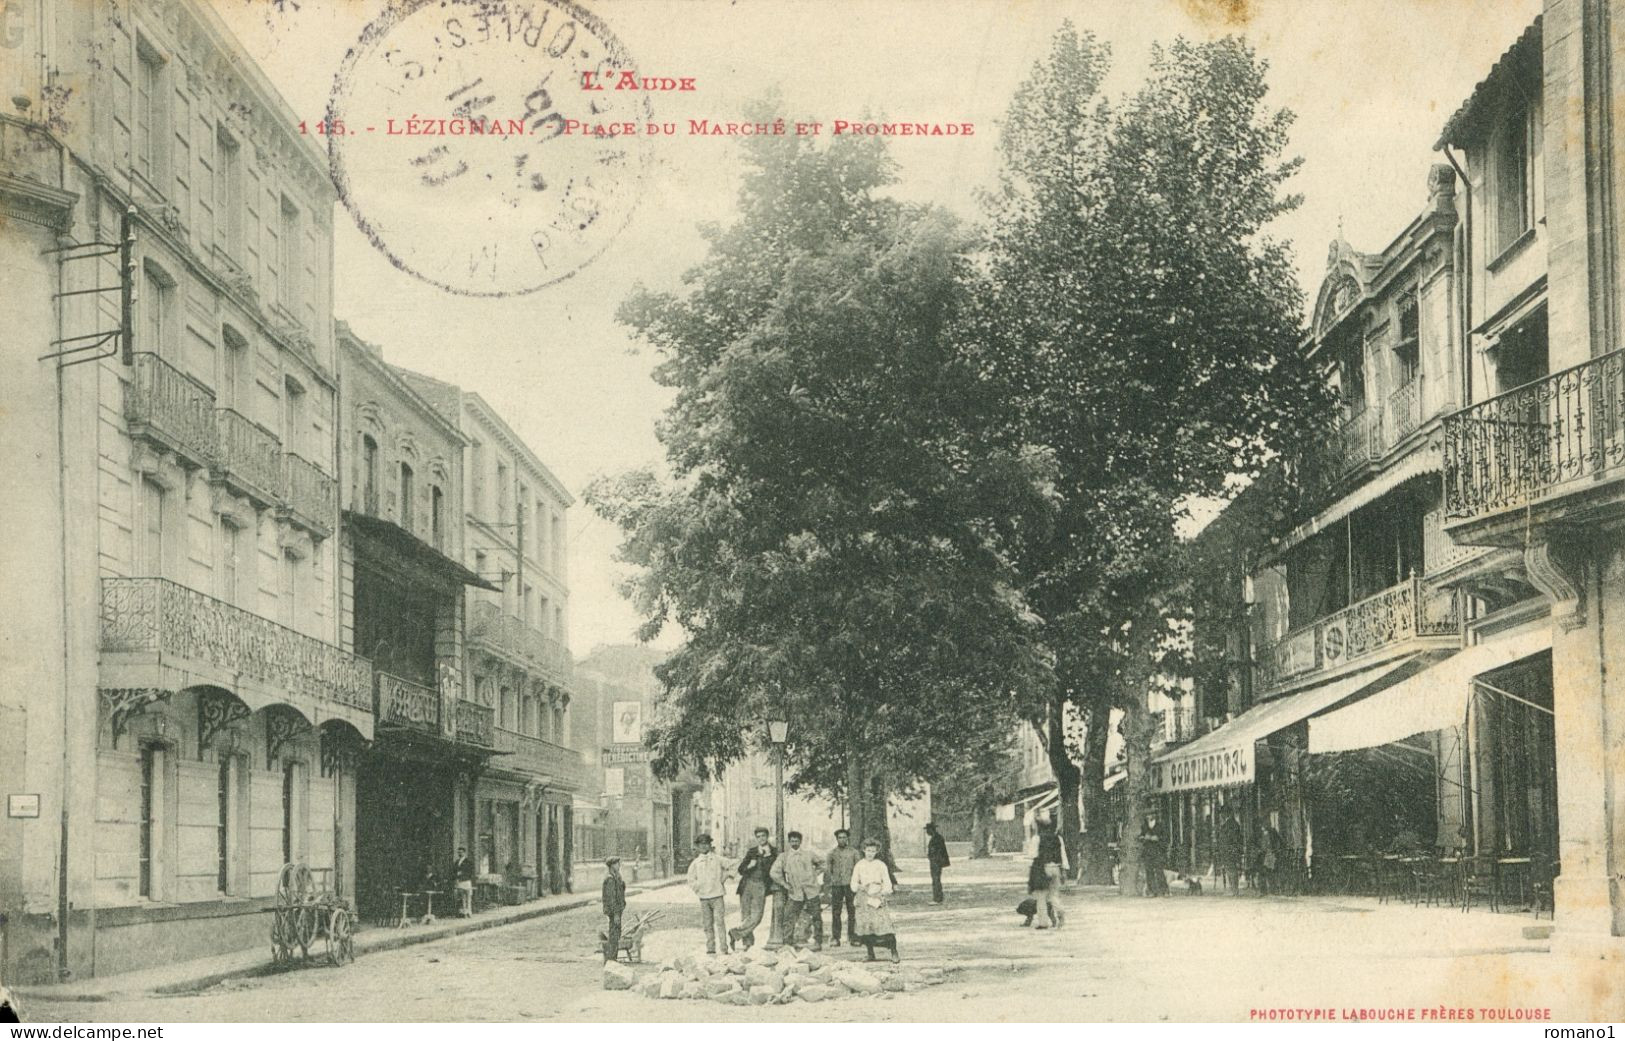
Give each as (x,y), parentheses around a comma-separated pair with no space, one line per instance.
(981,823)
(857,791)
(1135,680)
(1066,781)
(1097,817)
(878,819)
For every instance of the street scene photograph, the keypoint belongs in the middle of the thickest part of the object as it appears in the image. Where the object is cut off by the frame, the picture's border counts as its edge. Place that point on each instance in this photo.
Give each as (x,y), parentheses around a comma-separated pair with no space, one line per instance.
(817,512)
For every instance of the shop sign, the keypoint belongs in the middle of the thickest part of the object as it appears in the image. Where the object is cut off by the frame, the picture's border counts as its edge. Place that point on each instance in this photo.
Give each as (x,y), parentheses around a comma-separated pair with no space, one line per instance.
(1219,768)
(621,754)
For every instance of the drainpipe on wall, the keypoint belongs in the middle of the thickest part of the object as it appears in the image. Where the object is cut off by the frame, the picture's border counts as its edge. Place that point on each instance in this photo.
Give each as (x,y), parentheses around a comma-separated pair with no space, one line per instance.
(1465,280)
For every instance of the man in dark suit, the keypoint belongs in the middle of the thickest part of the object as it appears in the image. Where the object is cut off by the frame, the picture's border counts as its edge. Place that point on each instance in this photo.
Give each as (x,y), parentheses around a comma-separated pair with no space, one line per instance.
(614,900)
(755,871)
(936,852)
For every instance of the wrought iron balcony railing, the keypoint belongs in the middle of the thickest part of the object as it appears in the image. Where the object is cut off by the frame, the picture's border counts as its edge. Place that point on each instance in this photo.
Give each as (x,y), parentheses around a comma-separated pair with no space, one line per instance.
(1363,630)
(311,497)
(476,724)
(157,615)
(1541,439)
(401,703)
(167,406)
(511,638)
(249,456)
(543,758)
(1359,440)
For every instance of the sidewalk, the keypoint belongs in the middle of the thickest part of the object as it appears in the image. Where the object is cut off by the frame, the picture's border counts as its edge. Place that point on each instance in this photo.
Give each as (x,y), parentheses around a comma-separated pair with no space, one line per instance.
(199,973)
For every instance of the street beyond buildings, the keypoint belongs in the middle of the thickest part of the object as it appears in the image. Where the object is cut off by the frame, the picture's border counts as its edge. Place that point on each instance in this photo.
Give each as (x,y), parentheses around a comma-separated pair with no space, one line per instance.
(1185,958)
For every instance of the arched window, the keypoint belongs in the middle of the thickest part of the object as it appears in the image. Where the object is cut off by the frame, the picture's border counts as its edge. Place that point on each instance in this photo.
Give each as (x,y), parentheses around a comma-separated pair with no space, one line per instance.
(408,500)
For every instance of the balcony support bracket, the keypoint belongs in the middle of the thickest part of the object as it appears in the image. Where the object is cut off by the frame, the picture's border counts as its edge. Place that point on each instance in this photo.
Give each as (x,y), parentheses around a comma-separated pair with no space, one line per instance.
(1550,574)
(216,712)
(125,703)
(280,728)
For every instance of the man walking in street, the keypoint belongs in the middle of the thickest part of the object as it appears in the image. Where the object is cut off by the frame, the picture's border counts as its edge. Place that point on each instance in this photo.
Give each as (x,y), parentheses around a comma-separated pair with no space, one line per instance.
(936,852)
(1229,851)
(614,900)
(708,876)
(754,870)
(838,867)
(800,874)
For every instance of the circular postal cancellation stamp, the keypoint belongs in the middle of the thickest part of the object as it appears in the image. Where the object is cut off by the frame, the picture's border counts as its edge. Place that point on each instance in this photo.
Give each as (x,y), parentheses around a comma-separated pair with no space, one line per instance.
(447,137)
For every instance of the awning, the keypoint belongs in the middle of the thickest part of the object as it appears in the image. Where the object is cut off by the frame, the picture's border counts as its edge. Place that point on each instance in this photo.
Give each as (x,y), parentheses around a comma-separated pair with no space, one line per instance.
(1431,700)
(411,549)
(1424,459)
(1225,757)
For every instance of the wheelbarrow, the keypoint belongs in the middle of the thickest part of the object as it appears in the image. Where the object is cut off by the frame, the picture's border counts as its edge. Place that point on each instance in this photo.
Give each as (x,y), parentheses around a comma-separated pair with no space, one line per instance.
(633,932)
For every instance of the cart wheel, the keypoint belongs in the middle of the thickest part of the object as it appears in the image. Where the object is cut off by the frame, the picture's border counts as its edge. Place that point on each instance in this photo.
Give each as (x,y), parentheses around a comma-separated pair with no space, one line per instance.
(304,928)
(340,943)
(281,943)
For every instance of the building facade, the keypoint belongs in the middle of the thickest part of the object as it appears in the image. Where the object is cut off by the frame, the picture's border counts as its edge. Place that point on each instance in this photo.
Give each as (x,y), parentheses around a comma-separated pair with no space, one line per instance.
(174,688)
(1437,637)
(521,817)
(402,608)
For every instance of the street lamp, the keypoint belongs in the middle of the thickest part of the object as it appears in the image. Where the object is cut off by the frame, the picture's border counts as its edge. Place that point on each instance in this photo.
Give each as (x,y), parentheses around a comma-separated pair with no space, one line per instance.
(778,730)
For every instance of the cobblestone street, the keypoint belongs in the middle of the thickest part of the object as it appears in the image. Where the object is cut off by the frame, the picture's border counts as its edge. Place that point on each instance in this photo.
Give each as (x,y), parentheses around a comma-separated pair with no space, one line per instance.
(1208,958)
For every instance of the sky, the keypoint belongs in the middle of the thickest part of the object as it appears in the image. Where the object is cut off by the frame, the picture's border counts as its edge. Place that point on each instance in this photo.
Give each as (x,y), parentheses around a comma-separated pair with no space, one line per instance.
(1371,83)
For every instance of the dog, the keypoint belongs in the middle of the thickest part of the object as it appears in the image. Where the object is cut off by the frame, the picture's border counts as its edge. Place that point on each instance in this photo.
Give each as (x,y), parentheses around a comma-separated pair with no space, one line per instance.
(1028,909)
(1193,886)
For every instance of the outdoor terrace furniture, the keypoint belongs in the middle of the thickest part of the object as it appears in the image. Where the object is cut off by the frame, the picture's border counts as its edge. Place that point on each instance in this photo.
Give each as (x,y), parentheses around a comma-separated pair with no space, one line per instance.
(1477,877)
(1512,879)
(1432,880)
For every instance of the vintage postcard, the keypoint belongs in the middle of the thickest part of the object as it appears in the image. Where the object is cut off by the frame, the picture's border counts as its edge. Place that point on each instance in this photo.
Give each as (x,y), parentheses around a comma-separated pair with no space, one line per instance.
(833,511)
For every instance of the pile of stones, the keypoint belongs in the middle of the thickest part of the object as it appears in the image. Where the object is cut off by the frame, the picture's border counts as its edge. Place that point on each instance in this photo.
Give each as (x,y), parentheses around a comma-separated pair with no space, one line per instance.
(763,977)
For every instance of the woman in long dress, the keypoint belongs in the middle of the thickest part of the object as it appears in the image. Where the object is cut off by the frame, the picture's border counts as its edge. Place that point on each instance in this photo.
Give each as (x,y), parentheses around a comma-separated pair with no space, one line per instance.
(872,884)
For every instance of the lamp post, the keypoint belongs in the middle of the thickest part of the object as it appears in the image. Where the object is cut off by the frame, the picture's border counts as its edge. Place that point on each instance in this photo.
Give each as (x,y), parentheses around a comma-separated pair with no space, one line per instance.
(778,730)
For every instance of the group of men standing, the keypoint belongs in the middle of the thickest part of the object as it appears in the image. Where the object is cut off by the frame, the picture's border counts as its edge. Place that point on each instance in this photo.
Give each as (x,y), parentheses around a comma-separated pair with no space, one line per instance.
(799,879)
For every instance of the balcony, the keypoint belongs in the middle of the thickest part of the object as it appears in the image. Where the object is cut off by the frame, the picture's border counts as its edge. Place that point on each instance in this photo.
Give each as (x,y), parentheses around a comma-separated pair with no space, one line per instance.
(563,766)
(510,638)
(171,409)
(249,457)
(1358,441)
(1545,440)
(401,703)
(310,497)
(192,639)
(476,724)
(1403,619)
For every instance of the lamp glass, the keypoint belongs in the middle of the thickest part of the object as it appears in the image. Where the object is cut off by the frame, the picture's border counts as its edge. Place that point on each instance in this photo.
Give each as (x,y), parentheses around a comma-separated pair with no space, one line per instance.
(778,730)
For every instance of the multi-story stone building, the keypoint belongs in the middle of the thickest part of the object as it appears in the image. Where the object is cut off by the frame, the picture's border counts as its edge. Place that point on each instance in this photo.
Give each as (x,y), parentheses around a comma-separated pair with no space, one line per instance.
(1449,608)
(175,702)
(518,665)
(1534,464)
(616,692)
(402,608)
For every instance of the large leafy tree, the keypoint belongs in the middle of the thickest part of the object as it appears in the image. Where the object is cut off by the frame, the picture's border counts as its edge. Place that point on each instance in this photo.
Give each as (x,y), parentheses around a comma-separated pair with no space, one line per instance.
(1143,327)
(838,531)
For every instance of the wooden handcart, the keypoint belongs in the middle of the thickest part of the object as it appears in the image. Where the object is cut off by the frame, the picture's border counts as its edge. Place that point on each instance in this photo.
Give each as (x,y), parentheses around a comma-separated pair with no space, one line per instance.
(303,916)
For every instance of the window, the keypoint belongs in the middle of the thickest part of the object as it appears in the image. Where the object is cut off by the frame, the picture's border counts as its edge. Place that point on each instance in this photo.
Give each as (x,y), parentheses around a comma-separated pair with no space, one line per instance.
(437,517)
(1514,176)
(151,760)
(1351,368)
(541,533)
(558,625)
(1406,351)
(505,708)
(556,536)
(546,614)
(152,529)
(222,827)
(229,193)
(288,592)
(1522,353)
(477,482)
(479,564)
(369,475)
(293,416)
(230,562)
(525,601)
(151,115)
(290,257)
(235,376)
(408,497)
(156,308)
(502,492)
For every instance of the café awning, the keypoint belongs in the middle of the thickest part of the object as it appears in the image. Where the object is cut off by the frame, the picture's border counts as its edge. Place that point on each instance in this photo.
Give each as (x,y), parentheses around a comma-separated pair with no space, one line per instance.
(1431,700)
(1225,757)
